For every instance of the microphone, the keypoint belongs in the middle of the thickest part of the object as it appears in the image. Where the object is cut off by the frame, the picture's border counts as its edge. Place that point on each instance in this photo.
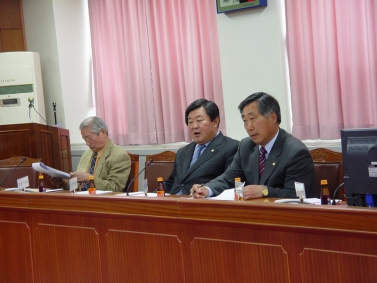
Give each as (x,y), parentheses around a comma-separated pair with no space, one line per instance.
(54,108)
(31,105)
(23,159)
(149,162)
(31,101)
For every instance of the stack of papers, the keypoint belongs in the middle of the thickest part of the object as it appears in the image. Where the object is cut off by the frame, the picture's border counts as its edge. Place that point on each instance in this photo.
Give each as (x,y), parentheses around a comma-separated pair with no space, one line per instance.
(315,201)
(296,200)
(98,192)
(141,194)
(229,195)
(32,190)
(225,195)
(40,167)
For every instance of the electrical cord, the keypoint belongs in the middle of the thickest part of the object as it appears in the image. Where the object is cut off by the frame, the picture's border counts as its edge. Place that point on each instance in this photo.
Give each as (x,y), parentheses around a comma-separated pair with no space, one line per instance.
(334,194)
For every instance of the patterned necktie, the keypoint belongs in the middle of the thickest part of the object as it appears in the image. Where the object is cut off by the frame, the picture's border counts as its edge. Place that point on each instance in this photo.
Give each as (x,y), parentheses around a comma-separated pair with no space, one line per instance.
(262,160)
(197,153)
(93,163)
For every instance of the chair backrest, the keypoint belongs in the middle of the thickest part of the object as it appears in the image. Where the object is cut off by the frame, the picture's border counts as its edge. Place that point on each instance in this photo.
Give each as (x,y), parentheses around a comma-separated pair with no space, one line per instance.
(328,165)
(133,172)
(25,169)
(161,166)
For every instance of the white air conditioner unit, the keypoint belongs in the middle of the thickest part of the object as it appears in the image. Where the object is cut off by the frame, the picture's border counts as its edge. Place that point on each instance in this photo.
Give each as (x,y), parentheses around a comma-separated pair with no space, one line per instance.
(20,78)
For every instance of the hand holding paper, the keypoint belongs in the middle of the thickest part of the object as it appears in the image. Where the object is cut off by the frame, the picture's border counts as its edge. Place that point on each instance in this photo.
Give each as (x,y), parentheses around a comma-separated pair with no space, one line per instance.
(40,167)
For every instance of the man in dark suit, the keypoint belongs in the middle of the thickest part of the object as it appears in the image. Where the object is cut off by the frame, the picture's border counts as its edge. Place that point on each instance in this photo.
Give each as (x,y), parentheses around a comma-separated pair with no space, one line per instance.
(270,161)
(208,156)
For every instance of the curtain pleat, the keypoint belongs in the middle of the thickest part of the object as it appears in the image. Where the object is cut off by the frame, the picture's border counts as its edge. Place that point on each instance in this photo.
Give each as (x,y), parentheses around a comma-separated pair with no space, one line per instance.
(332,51)
(151,59)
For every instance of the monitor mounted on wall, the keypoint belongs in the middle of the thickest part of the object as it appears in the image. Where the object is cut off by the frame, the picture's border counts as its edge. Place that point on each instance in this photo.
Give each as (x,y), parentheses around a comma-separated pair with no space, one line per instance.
(224,6)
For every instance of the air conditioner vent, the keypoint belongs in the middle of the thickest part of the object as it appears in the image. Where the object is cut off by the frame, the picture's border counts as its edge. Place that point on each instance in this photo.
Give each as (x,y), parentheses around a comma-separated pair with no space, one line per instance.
(16,89)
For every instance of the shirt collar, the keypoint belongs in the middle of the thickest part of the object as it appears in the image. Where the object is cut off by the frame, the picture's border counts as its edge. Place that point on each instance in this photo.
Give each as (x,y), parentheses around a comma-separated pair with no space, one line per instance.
(102,150)
(207,143)
(270,144)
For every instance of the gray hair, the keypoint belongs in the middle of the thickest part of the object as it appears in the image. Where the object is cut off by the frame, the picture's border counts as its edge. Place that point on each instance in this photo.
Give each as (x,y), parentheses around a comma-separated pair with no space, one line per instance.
(95,123)
(267,104)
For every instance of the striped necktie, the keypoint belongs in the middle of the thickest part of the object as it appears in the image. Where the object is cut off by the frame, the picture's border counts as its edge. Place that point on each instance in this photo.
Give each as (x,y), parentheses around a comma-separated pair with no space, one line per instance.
(262,160)
(198,151)
(93,163)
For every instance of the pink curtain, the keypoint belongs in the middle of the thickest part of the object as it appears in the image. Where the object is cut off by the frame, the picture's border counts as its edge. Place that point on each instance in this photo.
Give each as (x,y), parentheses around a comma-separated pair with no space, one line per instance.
(151,59)
(332,51)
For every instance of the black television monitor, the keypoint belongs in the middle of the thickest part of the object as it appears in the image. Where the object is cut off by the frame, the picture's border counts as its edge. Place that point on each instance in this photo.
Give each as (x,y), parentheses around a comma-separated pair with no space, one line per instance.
(224,6)
(359,151)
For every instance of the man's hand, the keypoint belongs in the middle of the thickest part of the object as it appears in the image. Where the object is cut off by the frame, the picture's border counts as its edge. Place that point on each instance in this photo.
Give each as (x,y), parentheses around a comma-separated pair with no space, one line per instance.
(252,191)
(199,191)
(81,176)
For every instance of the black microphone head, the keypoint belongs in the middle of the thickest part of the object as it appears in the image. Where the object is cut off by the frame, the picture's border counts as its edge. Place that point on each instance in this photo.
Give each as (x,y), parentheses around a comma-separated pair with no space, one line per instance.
(149,162)
(23,159)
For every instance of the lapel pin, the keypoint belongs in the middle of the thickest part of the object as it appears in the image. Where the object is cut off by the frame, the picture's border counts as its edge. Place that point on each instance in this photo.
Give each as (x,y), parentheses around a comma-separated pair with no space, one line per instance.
(273,164)
(212,150)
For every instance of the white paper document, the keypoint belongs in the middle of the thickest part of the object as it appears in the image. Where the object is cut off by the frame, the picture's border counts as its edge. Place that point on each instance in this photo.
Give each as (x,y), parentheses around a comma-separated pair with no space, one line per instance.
(33,190)
(137,194)
(225,195)
(40,167)
(98,192)
(47,190)
(315,201)
(296,200)
(140,194)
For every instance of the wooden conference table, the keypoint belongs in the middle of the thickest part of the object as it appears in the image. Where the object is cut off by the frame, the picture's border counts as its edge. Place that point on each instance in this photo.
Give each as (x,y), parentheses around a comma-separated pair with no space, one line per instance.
(60,237)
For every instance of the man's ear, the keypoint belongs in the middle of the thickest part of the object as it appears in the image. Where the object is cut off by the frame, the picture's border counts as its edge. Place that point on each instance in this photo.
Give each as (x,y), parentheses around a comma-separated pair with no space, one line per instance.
(273,117)
(217,121)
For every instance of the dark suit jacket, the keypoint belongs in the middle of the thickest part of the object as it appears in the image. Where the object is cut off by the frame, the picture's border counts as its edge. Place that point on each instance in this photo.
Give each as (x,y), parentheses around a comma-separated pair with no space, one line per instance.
(213,161)
(289,161)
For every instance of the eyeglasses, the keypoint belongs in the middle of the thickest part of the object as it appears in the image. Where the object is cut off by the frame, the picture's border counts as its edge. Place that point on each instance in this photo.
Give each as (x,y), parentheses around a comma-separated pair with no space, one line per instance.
(89,138)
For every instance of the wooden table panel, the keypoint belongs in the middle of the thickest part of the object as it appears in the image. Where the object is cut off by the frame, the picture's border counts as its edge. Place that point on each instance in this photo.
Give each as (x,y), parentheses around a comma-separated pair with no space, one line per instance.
(238,261)
(324,265)
(147,256)
(66,254)
(113,238)
(15,252)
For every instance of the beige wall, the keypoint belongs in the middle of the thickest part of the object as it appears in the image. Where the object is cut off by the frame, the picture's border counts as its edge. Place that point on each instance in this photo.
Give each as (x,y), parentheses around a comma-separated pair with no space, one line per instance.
(253,59)
(250,47)
(252,51)
(58,31)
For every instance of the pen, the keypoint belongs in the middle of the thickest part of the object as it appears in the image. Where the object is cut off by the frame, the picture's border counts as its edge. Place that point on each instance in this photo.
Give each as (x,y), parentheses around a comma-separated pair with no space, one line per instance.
(201,185)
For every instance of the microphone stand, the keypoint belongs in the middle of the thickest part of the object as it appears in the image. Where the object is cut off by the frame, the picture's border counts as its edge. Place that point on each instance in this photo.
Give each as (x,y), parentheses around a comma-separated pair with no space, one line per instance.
(149,162)
(334,194)
(54,108)
(30,118)
(31,105)
(21,161)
